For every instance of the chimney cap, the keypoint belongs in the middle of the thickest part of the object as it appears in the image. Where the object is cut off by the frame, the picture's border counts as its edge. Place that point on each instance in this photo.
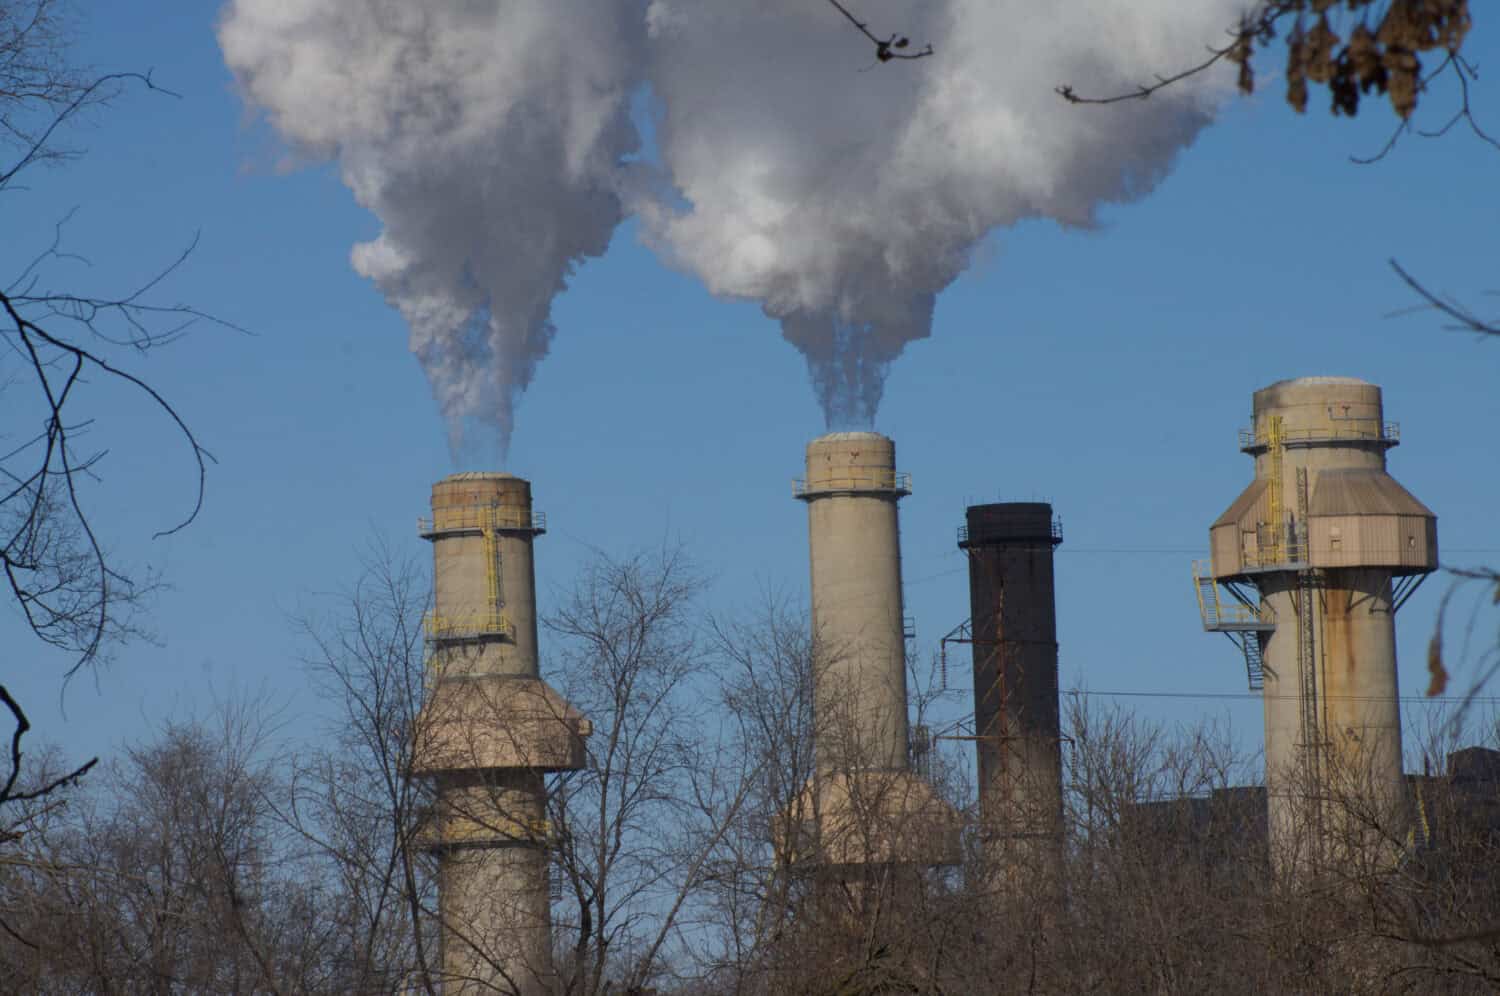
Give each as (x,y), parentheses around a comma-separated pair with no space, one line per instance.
(1323,382)
(481,475)
(849,437)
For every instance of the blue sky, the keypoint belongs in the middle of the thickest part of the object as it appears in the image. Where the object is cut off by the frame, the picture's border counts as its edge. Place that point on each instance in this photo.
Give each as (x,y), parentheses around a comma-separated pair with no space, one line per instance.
(1106,371)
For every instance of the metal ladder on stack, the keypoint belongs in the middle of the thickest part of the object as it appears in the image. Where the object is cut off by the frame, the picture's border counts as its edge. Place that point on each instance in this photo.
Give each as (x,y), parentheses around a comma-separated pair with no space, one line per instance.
(1307,656)
(492,564)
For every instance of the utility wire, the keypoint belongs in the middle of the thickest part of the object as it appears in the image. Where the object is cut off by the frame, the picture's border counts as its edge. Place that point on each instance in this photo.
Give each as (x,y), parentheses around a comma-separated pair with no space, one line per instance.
(1257,696)
(1173,551)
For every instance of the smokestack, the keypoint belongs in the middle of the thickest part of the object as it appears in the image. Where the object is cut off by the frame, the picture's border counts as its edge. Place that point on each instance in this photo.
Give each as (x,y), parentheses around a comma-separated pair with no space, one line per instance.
(1017,730)
(489,731)
(1318,553)
(864,806)
(851,490)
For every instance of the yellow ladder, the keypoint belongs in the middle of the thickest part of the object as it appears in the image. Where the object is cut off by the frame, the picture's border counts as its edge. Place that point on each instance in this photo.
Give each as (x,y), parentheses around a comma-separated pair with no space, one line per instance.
(1274,447)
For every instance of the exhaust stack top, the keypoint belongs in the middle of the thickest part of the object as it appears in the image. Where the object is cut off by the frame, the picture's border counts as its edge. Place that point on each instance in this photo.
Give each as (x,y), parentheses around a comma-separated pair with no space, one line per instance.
(484,579)
(1321,497)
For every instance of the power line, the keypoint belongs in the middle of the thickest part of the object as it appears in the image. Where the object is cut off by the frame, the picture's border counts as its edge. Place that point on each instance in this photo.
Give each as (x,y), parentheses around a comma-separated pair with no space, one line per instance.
(1257,697)
(1164,551)
(1201,552)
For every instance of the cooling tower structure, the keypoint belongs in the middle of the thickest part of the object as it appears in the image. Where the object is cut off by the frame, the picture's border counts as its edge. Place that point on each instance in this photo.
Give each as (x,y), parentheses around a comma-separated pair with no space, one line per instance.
(1012,631)
(1316,556)
(864,810)
(490,729)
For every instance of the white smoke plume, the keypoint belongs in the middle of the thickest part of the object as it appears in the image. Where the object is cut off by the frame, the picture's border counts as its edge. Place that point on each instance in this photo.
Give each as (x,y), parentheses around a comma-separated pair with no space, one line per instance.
(491,138)
(485,136)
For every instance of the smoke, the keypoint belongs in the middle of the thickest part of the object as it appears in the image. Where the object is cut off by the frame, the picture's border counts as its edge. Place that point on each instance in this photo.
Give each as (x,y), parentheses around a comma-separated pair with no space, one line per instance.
(485,136)
(491,139)
(844,201)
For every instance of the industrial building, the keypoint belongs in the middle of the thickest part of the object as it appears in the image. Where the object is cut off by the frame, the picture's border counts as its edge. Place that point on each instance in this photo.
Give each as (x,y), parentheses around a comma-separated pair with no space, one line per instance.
(1454,817)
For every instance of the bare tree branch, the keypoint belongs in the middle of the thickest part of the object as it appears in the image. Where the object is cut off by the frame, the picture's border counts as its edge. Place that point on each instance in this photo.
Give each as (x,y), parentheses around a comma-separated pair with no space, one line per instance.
(886,49)
(70,592)
(1145,90)
(1354,49)
(1463,319)
(22,726)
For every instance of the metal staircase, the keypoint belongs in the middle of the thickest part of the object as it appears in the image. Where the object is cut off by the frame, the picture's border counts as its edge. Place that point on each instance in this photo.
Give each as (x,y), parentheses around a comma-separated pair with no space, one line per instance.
(1208,598)
(1241,619)
(1237,618)
(1255,672)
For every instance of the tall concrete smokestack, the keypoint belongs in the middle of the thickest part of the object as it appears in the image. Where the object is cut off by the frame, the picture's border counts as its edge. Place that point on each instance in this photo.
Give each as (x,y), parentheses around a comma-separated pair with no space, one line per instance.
(864,805)
(1320,551)
(851,490)
(489,731)
(1013,619)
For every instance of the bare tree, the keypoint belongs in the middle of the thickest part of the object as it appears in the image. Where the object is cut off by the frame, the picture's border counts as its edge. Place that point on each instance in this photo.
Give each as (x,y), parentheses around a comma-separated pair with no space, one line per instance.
(810,891)
(72,593)
(169,874)
(356,800)
(217,857)
(214,857)
(56,566)
(755,893)
(637,831)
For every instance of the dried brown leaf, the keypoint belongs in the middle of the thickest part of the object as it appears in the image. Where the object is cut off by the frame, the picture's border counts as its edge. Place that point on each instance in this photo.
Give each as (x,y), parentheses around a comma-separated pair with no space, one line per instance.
(1437,673)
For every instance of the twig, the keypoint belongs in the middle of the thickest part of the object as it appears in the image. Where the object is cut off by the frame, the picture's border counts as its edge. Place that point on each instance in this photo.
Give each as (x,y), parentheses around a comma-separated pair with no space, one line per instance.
(1145,90)
(23,725)
(1466,321)
(886,49)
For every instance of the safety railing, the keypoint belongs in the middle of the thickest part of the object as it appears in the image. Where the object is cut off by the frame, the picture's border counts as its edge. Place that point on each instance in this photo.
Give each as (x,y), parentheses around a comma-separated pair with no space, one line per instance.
(1216,612)
(859,479)
(467,625)
(1267,556)
(1055,532)
(1389,433)
(1226,614)
(481,517)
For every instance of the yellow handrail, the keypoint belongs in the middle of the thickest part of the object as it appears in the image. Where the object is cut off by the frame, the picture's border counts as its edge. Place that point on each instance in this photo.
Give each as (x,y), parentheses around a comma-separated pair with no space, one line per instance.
(1389,432)
(459,625)
(477,518)
(1218,611)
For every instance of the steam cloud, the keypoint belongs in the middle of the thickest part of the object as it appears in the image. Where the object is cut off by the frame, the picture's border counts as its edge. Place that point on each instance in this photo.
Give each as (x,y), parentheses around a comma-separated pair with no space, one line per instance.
(492,139)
